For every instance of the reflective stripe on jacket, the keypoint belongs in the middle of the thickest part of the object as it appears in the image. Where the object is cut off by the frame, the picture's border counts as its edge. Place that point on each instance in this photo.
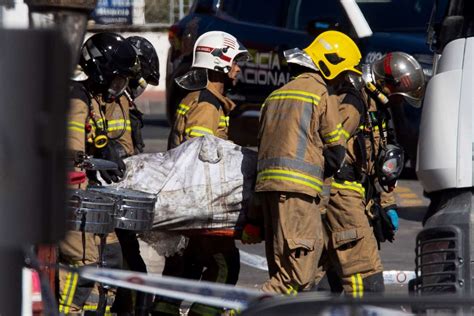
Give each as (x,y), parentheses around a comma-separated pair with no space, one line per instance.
(201,113)
(296,122)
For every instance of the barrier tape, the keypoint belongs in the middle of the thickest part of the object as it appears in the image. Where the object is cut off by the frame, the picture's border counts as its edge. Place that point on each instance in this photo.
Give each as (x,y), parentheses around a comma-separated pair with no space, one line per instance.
(390,277)
(215,294)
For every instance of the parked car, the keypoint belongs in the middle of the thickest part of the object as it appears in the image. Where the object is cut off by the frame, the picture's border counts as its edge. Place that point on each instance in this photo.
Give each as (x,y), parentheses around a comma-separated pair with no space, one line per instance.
(267,28)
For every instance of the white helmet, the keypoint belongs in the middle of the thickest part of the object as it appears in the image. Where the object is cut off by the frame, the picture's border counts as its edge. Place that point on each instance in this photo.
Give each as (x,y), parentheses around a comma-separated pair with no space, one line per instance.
(217,51)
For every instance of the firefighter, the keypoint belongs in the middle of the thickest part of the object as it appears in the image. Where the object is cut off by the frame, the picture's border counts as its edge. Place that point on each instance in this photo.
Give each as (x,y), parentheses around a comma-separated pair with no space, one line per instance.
(106,60)
(126,119)
(205,112)
(297,121)
(362,211)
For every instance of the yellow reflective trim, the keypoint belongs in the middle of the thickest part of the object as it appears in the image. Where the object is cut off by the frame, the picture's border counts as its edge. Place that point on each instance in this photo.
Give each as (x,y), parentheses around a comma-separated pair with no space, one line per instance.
(354,186)
(76,129)
(196,134)
(333,140)
(354,286)
(77,124)
(334,132)
(375,128)
(309,100)
(293,173)
(345,133)
(73,292)
(291,291)
(291,180)
(68,292)
(119,128)
(184,106)
(93,308)
(200,128)
(118,121)
(305,93)
(63,299)
(182,109)
(361,285)
(224,121)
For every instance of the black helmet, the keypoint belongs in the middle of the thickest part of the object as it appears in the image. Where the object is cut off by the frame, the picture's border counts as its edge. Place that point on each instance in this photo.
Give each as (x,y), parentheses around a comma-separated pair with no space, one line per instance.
(389,166)
(150,67)
(108,60)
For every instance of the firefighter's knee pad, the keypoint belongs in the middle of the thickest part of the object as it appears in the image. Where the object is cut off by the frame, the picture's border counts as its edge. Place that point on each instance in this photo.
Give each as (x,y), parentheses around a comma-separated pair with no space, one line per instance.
(356,251)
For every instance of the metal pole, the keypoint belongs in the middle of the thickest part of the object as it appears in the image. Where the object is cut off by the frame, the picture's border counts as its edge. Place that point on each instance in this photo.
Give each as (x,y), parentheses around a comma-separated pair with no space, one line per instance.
(181,9)
(171,11)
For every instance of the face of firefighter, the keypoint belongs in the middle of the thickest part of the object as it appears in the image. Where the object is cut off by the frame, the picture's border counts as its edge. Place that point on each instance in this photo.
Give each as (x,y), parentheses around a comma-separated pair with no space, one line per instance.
(233,74)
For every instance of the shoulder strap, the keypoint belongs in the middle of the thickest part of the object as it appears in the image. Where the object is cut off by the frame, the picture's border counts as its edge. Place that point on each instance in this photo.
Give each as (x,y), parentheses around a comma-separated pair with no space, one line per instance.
(207,96)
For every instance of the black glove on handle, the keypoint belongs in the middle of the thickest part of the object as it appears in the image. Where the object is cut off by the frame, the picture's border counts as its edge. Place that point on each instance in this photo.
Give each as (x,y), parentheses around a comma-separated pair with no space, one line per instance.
(112,152)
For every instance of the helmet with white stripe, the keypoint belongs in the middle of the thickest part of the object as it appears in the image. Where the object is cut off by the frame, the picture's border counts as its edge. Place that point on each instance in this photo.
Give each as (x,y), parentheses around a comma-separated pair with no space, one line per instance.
(217,51)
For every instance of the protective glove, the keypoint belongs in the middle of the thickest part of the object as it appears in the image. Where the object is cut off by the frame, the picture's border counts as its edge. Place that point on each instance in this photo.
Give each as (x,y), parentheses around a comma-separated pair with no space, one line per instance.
(113,152)
(251,234)
(333,158)
(136,122)
(393,215)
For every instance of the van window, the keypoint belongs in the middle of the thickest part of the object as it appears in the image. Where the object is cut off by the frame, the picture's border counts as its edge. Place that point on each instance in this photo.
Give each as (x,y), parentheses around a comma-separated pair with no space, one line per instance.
(405,15)
(302,12)
(256,11)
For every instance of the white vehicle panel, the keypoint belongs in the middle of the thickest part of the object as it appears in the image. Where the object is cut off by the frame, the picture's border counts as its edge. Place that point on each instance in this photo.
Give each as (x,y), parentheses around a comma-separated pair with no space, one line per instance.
(437,145)
(465,130)
(445,154)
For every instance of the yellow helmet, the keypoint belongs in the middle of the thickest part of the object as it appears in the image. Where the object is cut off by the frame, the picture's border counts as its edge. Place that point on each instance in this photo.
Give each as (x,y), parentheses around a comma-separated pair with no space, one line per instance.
(334,52)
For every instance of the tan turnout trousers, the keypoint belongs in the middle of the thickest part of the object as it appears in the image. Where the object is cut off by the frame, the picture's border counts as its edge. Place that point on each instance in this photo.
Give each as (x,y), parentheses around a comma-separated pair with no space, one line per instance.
(293,240)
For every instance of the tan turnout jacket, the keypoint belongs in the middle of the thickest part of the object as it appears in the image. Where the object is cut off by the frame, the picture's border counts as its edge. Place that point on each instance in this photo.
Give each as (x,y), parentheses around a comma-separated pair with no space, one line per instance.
(203,112)
(296,122)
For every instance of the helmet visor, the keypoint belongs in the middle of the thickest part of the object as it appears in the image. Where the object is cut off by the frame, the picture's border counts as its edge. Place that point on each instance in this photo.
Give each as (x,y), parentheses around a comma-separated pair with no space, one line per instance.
(355,80)
(195,79)
(299,57)
(137,87)
(116,88)
(242,58)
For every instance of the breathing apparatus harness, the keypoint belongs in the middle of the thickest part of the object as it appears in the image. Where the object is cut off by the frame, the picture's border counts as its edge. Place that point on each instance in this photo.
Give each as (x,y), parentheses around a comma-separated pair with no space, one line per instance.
(101,137)
(387,162)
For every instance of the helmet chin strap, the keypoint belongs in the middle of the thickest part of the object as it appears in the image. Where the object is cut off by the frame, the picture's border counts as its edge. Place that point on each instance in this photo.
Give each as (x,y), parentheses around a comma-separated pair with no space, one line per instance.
(225,70)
